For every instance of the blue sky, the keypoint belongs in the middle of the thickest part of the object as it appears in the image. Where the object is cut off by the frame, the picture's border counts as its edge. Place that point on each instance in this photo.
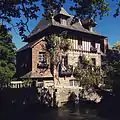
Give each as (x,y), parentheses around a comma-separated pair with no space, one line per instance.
(108,26)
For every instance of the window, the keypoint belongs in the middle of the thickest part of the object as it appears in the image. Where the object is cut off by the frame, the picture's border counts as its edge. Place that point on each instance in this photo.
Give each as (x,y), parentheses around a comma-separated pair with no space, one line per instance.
(93,43)
(74,83)
(80,44)
(71,82)
(80,59)
(63,22)
(43,63)
(40,84)
(98,47)
(42,58)
(93,61)
(65,60)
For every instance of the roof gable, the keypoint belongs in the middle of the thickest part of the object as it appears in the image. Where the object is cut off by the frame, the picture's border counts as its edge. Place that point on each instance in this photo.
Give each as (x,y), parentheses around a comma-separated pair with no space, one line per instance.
(30,45)
(64,12)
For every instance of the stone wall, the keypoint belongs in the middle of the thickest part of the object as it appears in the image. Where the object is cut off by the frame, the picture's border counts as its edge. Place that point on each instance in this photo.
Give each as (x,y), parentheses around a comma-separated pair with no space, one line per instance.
(63,94)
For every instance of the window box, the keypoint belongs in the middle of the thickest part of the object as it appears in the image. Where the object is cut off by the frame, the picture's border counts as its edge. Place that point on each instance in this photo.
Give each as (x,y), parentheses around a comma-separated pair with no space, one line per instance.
(42,65)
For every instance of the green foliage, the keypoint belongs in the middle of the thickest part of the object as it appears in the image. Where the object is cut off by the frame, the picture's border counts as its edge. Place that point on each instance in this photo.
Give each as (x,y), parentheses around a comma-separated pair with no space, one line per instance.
(90,8)
(116,46)
(82,8)
(27,83)
(22,10)
(26,10)
(57,45)
(112,71)
(111,66)
(51,6)
(88,74)
(117,13)
(7,56)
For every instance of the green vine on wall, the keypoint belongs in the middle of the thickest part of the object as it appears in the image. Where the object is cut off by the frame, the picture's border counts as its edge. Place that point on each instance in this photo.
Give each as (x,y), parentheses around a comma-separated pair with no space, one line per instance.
(56,45)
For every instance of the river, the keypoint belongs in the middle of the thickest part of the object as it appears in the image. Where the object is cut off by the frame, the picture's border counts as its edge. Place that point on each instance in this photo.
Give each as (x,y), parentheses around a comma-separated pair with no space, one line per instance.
(70,114)
(64,113)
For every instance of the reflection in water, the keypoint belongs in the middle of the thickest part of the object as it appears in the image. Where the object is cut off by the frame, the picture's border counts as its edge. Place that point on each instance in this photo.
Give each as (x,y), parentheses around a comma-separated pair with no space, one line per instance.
(23,105)
(70,114)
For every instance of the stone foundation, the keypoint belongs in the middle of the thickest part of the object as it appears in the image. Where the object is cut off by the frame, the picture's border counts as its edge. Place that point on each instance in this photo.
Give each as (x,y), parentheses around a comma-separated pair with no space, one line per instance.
(63,93)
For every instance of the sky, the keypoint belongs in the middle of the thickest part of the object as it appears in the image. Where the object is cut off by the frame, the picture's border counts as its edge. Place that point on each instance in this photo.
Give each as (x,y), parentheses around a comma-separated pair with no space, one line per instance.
(108,26)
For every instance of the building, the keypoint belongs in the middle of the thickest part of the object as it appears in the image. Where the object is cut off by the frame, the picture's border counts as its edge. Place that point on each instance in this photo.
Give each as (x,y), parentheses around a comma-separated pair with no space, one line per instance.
(84,39)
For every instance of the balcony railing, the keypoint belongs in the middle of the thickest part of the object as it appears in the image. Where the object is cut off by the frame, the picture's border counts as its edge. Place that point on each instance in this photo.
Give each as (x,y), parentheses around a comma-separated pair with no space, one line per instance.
(42,65)
(93,50)
(67,72)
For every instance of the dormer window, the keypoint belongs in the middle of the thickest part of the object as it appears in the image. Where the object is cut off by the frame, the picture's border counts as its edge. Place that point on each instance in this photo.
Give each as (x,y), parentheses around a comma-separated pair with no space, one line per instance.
(63,21)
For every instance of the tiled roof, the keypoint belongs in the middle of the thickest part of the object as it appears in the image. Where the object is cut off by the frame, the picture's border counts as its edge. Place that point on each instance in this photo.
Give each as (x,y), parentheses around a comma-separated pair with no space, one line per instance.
(23,48)
(29,45)
(36,75)
(44,24)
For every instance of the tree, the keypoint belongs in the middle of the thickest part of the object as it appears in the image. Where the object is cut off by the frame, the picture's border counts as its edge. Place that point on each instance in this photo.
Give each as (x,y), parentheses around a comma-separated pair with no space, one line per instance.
(22,10)
(108,73)
(83,8)
(111,66)
(26,10)
(88,74)
(116,46)
(57,45)
(7,56)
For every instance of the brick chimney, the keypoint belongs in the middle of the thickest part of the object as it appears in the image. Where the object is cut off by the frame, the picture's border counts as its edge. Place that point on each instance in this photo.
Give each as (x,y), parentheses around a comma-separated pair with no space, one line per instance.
(106,44)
